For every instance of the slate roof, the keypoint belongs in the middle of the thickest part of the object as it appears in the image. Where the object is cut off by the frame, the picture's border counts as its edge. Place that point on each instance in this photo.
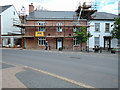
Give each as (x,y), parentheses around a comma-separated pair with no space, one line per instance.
(103,16)
(3,8)
(66,15)
(51,15)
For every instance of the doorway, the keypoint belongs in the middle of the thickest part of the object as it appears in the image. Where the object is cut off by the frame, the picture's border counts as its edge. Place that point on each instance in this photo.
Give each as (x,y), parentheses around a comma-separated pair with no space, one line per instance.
(59,43)
(107,42)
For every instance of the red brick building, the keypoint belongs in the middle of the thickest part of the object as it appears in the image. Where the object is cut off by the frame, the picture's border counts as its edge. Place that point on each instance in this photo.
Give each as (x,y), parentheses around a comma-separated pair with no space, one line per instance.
(58,28)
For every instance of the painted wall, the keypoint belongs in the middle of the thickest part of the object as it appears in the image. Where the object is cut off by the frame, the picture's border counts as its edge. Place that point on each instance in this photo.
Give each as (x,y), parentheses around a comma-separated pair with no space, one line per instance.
(101,33)
(7,17)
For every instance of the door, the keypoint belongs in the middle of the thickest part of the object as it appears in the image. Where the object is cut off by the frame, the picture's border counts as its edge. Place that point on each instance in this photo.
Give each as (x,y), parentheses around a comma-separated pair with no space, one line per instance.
(59,43)
(107,43)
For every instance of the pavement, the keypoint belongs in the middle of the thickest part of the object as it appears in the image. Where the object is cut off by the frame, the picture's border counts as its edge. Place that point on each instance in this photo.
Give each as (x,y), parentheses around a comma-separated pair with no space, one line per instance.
(17,76)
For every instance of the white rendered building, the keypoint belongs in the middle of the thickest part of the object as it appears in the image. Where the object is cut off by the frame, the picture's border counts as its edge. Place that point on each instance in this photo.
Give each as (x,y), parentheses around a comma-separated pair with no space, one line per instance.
(9,33)
(100,31)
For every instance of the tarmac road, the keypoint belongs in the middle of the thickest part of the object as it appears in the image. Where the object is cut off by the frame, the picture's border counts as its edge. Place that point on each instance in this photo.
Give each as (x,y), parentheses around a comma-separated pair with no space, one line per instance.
(97,70)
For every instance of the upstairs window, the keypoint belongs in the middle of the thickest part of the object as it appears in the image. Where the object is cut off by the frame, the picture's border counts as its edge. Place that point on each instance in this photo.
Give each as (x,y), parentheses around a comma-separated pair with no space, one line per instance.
(59,24)
(74,29)
(107,27)
(97,27)
(59,29)
(14,13)
(41,29)
(42,23)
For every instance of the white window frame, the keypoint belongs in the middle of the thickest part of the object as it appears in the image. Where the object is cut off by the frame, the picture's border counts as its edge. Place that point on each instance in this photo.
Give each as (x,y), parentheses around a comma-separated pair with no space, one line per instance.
(98,41)
(59,29)
(74,29)
(40,29)
(108,27)
(41,23)
(97,26)
(41,39)
(75,40)
(59,24)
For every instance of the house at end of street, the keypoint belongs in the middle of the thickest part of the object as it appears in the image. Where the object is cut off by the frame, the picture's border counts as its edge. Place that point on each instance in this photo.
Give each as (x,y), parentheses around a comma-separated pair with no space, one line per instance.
(9,35)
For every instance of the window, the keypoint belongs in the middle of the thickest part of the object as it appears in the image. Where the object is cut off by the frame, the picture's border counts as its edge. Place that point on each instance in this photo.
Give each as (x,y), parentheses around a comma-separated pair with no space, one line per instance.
(59,24)
(41,41)
(97,27)
(59,29)
(74,29)
(76,42)
(107,27)
(96,40)
(41,29)
(14,13)
(42,23)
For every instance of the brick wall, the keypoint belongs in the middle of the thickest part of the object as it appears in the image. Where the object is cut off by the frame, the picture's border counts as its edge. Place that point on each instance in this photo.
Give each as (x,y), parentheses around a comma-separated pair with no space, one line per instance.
(32,43)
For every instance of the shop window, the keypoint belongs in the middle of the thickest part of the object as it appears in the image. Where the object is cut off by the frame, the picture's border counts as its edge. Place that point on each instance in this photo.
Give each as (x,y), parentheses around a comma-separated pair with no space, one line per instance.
(96,40)
(107,27)
(97,27)
(76,42)
(41,41)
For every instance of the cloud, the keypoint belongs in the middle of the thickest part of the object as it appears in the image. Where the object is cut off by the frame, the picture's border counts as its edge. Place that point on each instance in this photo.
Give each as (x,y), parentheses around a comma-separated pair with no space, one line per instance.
(110,8)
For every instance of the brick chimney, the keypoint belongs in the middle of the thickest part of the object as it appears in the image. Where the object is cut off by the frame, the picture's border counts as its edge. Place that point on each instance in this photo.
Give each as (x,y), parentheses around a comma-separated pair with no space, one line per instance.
(31,8)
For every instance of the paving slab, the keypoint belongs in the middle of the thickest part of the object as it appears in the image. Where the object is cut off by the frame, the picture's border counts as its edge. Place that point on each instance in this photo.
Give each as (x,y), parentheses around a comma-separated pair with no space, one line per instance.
(34,79)
(9,80)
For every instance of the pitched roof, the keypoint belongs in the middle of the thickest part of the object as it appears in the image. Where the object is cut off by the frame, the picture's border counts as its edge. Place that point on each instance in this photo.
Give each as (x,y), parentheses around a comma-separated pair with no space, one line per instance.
(103,16)
(3,8)
(51,15)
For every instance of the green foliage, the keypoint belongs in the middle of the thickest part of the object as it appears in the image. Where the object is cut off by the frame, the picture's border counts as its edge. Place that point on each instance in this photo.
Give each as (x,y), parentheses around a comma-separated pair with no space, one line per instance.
(82,35)
(116,28)
(113,49)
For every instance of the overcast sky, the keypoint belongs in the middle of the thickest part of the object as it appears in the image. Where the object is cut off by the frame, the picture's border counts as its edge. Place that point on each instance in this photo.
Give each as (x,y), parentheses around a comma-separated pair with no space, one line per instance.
(110,6)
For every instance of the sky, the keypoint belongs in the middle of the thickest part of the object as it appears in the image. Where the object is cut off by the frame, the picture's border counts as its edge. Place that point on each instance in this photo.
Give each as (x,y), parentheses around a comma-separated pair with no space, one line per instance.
(110,6)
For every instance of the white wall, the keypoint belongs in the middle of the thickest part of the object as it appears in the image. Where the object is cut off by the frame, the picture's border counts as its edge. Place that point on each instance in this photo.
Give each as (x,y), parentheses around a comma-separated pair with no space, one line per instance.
(7,21)
(7,25)
(101,34)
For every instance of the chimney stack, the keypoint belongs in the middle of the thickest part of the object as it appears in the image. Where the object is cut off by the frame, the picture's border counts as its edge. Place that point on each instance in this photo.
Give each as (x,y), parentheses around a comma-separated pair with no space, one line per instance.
(31,8)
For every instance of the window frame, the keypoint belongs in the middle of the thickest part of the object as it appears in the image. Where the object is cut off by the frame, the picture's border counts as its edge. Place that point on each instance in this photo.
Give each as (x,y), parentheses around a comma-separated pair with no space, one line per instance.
(74,29)
(97,41)
(44,29)
(75,43)
(42,39)
(59,28)
(97,26)
(107,27)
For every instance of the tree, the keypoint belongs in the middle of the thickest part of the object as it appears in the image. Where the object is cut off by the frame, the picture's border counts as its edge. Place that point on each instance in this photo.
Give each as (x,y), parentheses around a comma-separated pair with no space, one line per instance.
(82,35)
(116,29)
